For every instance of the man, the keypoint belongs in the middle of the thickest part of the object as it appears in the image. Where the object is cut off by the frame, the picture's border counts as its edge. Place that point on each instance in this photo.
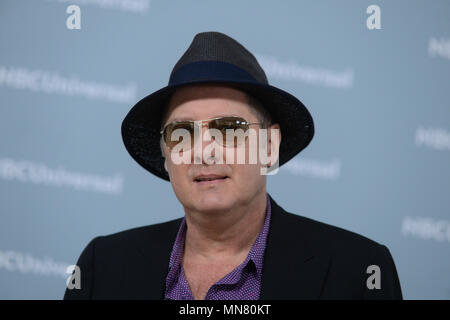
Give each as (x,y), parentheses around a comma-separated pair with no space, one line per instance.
(235,241)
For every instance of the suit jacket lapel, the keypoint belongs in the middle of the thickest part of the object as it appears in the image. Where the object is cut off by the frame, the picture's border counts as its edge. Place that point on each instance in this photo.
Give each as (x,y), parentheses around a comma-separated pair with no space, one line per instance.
(292,270)
(155,249)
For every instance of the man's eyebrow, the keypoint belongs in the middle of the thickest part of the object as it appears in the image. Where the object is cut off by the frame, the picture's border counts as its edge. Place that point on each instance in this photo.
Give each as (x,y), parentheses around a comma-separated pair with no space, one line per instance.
(180,119)
(187,118)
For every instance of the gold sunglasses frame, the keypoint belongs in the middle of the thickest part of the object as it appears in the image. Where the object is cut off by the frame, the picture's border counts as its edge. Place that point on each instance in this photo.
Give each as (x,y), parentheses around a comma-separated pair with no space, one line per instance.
(195,122)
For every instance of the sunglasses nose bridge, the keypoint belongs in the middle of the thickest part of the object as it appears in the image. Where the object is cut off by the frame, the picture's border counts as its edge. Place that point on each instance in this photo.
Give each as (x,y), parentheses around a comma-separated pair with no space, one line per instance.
(202,138)
(205,136)
(202,123)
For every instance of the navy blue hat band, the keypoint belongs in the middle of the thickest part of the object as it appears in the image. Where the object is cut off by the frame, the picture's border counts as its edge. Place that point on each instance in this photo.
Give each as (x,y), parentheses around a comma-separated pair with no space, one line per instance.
(209,71)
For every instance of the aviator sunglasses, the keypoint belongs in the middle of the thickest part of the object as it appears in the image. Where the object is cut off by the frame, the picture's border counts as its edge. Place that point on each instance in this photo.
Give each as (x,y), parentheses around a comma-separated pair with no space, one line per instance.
(221,123)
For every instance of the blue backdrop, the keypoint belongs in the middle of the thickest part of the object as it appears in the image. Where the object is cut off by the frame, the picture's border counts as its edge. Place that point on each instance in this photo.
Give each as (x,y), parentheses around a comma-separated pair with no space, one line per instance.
(378,164)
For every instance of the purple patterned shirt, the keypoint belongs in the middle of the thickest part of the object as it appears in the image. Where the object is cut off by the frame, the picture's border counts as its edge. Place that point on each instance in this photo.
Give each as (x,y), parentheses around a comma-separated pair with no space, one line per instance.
(243,283)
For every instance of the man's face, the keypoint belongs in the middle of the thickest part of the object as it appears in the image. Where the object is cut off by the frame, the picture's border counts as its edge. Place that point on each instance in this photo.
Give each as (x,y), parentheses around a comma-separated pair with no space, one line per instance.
(243,182)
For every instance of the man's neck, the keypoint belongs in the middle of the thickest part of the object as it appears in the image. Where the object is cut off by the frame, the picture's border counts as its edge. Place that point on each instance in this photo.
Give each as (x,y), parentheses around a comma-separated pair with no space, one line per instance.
(226,234)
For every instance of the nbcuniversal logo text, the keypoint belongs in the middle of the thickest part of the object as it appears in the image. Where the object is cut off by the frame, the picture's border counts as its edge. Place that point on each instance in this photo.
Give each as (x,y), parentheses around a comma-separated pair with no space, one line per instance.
(426,228)
(436,138)
(41,174)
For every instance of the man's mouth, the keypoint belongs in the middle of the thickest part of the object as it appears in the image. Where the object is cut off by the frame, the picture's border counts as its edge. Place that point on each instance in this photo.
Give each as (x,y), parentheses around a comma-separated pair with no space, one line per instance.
(211,178)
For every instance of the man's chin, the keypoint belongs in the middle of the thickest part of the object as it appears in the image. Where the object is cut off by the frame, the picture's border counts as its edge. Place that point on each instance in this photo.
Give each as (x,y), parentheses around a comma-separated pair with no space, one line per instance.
(213,203)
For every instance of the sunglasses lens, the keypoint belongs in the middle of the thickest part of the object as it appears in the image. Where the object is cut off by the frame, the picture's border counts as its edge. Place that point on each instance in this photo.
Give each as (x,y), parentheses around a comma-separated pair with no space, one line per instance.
(229,123)
(176,132)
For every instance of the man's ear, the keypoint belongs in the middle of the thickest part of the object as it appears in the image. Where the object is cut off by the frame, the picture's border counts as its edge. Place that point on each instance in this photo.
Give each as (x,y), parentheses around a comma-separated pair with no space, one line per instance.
(165,164)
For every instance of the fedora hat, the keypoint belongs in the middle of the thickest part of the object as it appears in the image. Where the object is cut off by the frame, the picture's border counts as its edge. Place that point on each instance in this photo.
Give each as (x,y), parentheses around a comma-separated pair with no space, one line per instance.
(214,57)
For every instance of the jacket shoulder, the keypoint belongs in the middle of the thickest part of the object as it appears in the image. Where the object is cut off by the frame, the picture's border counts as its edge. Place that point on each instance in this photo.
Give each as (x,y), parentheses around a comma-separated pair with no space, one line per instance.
(353,258)
(126,256)
(325,235)
(348,249)
(150,234)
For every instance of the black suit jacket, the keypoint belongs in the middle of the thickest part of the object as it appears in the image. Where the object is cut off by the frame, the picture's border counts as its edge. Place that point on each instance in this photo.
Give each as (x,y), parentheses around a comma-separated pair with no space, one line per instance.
(304,259)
